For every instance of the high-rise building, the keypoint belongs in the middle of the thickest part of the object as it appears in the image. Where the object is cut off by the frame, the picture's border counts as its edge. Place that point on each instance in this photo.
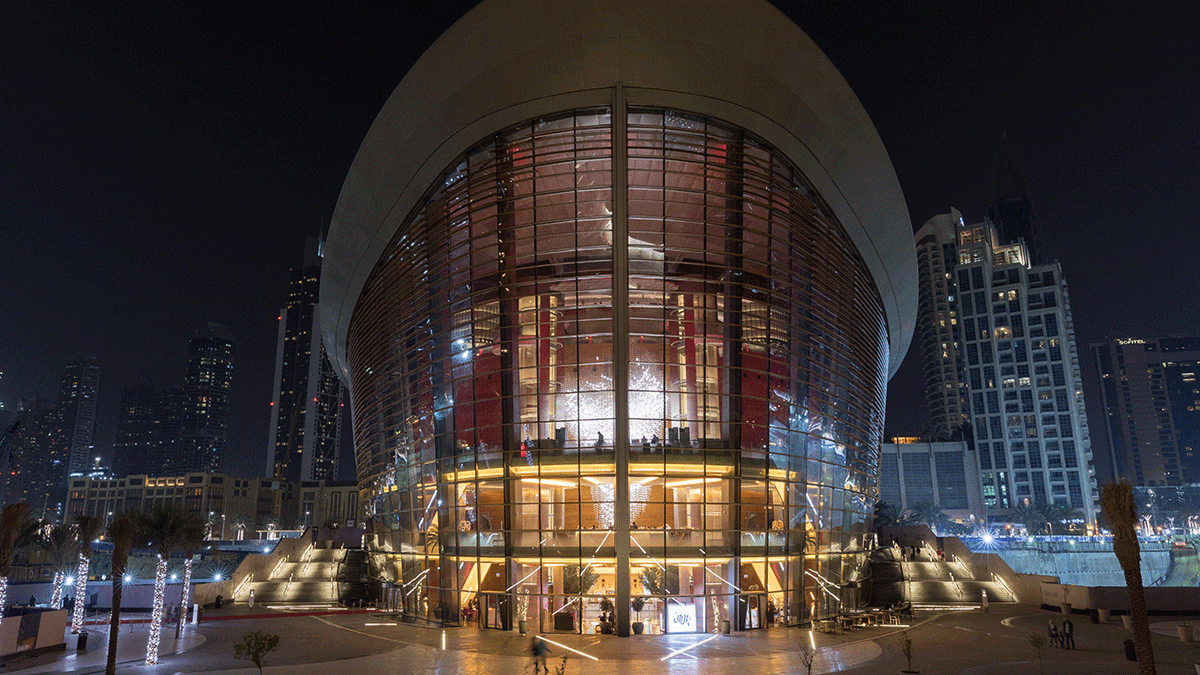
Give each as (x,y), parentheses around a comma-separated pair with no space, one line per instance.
(1011,211)
(305,413)
(1025,396)
(203,426)
(944,473)
(36,459)
(1152,404)
(139,447)
(628,307)
(937,327)
(77,400)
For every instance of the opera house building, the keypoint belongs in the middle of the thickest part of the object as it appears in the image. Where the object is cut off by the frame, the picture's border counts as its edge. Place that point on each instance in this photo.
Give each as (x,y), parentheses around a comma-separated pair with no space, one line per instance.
(617,286)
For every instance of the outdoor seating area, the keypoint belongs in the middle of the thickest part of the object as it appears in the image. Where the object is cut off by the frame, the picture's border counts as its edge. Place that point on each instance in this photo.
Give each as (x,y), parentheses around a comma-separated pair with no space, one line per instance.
(848,621)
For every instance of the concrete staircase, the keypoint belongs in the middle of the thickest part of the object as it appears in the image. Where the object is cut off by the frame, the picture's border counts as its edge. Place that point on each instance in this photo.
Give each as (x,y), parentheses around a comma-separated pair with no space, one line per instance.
(316,576)
(925,582)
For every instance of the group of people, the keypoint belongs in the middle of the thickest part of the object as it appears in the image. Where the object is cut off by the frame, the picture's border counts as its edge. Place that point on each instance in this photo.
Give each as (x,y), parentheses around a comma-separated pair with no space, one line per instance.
(1062,637)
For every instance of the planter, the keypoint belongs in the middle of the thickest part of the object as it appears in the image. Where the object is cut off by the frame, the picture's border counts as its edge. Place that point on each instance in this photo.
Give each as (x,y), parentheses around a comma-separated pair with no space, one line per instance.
(724,627)
(523,626)
(638,627)
(1105,615)
(1066,608)
(606,628)
(1127,620)
(1186,633)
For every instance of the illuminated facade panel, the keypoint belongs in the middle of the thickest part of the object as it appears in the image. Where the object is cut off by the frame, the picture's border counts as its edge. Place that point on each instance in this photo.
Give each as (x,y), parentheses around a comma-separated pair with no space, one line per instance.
(485,363)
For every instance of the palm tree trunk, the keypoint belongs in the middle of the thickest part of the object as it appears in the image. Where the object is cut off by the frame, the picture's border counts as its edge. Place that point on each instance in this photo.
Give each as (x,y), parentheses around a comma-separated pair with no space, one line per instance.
(183,595)
(114,620)
(1141,622)
(156,614)
(57,595)
(81,579)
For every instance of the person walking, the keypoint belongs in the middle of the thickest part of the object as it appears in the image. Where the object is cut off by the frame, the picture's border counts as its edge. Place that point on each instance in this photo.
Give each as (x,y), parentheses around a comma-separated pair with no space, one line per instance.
(1052,633)
(1068,633)
(539,650)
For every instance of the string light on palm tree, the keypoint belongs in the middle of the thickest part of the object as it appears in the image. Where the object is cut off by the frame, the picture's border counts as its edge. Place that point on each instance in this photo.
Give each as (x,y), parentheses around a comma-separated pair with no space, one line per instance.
(87,528)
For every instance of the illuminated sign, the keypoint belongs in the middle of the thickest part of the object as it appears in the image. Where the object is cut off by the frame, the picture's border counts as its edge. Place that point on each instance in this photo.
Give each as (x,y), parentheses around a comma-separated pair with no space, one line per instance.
(681,618)
(1131,341)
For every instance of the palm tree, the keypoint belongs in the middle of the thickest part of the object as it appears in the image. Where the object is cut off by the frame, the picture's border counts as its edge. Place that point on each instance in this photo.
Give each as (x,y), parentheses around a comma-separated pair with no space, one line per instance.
(161,530)
(1033,517)
(120,533)
(926,513)
(886,515)
(1119,506)
(191,538)
(60,544)
(11,520)
(87,528)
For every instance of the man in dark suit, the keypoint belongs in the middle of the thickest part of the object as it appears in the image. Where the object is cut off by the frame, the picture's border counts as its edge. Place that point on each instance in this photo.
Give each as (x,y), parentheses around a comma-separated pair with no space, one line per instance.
(1068,633)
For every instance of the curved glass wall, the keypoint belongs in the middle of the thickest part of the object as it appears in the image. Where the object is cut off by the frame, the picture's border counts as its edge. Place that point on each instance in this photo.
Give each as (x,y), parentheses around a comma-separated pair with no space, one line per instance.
(488,352)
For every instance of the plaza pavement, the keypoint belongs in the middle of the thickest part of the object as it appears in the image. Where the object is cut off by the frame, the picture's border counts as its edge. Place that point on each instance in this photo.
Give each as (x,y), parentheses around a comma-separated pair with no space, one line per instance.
(944,643)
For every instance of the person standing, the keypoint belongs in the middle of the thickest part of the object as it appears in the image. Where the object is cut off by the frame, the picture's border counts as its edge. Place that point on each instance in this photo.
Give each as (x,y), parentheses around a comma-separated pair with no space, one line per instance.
(1068,633)
(1052,633)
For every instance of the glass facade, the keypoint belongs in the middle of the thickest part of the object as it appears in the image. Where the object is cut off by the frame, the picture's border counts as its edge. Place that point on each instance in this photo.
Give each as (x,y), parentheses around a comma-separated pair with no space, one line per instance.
(533,436)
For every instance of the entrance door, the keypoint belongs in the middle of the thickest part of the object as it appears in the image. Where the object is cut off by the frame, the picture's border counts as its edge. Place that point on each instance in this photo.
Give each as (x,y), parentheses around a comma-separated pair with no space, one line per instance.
(751,610)
(494,607)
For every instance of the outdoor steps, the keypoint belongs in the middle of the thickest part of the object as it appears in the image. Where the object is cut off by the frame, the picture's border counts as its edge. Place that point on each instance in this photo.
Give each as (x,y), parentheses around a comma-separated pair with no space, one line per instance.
(929,571)
(309,570)
(322,575)
(296,591)
(935,583)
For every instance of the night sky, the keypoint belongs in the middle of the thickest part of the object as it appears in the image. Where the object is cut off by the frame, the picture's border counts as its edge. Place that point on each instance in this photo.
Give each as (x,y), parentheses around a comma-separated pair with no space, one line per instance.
(163,163)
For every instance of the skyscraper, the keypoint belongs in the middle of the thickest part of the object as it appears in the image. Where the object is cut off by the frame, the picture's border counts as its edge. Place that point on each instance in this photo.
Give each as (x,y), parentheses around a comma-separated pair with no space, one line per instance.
(36,458)
(1025,397)
(202,436)
(1152,404)
(937,326)
(138,448)
(305,419)
(77,399)
(1011,210)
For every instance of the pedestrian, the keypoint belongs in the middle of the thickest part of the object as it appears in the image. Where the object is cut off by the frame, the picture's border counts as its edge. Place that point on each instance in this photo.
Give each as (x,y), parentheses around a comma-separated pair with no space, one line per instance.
(1068,633)
(1052,631)
(539,650)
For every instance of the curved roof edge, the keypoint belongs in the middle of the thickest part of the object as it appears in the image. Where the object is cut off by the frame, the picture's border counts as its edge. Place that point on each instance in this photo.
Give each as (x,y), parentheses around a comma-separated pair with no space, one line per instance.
(507,61)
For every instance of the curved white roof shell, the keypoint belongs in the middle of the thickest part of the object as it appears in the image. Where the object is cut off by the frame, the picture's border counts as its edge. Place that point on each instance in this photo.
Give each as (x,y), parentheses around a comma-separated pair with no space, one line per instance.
(508,61)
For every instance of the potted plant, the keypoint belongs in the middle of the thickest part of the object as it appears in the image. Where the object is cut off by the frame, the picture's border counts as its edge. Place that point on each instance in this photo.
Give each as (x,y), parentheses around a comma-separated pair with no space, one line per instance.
(606,609)
(906,646)
(637,605)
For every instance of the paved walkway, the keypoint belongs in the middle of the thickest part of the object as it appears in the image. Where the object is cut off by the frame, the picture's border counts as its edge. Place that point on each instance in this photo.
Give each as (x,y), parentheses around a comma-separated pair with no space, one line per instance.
(948,643)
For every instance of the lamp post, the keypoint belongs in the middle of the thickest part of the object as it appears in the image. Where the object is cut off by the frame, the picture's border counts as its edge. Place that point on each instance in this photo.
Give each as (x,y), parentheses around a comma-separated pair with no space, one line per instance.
(222,527)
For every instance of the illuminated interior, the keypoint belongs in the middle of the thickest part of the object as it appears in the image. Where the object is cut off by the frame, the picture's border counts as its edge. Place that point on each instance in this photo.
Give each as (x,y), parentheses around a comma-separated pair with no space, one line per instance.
(489,350)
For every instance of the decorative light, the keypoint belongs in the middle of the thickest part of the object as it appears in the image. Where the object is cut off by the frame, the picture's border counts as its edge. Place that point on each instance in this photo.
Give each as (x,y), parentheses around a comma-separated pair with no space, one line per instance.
(156,614)
(80,594)
(183,595)
(3,591)
(128,578)
(57,595)
(587,406)
(174,577)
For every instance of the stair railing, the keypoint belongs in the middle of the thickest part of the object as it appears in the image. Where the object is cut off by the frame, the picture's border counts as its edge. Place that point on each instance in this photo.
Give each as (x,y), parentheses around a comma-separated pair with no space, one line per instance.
(1000,580)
